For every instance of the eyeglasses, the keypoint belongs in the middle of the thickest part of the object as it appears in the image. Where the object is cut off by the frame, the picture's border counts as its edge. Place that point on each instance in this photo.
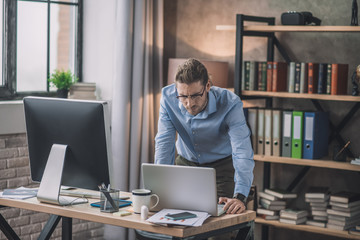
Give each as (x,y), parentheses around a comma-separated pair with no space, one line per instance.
(192,97)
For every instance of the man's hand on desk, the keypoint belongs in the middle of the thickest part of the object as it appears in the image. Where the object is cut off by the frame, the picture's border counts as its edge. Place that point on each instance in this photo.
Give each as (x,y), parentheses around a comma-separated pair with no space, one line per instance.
(232,205)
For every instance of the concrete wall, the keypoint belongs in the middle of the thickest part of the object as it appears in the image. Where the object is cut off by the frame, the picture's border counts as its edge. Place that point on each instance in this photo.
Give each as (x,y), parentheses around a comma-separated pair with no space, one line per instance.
(190,31)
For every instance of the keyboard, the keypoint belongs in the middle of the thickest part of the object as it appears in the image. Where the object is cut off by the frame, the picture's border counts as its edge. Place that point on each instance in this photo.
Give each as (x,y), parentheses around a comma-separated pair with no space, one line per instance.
(65,200)
(81,194)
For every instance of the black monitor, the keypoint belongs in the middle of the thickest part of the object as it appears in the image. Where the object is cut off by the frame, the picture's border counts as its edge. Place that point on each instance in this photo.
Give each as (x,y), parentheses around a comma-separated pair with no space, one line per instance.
(69,144)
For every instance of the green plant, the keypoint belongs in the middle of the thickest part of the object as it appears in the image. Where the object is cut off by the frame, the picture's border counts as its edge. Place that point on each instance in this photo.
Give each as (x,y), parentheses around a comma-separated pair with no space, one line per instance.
(62,79)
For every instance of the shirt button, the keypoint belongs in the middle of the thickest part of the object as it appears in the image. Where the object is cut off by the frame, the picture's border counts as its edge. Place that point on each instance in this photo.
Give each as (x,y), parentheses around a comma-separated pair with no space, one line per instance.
(196,144)
(193,132)
(199,155)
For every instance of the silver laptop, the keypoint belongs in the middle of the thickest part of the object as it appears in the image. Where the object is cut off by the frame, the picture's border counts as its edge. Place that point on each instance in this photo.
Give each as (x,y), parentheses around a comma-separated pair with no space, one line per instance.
(183,187)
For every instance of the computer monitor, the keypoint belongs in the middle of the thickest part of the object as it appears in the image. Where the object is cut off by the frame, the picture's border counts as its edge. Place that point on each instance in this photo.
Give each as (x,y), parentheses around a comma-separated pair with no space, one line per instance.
(69,144)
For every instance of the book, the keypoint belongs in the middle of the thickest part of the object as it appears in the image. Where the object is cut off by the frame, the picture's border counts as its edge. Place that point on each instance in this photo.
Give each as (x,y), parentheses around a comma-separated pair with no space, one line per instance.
(268,217)
(348,209)
(354,231)
(267,196)
(297,77)
(344,205)
(313,74)
(262,74)
(319,204)
(341,213)
(319,213)
(335,227)
(316,223)
(345,197)
(279,76)
(247,75)
(293,213)
(317,192)
(280,193)
(322,78)
(357,227)
(267,212)
(320,218)
(269,75)
(293,221)
(253,77)
(328,79)
(291,77)
(275,202)
(315,200)
(339,79)
(303,77)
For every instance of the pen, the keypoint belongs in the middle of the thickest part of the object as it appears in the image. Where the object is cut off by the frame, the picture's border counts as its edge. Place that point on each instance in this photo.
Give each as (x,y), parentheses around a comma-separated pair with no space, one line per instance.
(346,145)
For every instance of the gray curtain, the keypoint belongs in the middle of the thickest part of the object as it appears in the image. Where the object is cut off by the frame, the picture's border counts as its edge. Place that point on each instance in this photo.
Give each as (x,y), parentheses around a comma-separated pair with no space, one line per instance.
(137,85)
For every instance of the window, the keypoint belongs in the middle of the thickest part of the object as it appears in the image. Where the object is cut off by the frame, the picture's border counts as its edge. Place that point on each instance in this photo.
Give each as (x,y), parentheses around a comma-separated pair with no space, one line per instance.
(39,36)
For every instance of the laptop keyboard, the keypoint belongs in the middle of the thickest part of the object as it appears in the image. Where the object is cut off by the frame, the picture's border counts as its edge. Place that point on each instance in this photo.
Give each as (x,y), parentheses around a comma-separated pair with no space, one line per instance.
(220,209)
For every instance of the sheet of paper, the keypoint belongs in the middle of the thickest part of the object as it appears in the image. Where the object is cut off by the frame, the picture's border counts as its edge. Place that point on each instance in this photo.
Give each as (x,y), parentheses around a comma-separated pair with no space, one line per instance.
(159,218)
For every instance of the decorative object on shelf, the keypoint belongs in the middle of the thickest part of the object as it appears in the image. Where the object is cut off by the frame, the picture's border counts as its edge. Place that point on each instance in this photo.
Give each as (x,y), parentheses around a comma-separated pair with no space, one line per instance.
(340,155)
(62,80)
(354,14)
(355,79)
(299,18)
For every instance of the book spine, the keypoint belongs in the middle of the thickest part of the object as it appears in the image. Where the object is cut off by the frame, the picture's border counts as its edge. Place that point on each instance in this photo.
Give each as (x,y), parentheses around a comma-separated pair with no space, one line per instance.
(259,77)
(247,75)
(328,79)
(310,78)
(269,74)
(264,76)
(334,79)
(303,77)
(291,77)
(321,78)
(297,78)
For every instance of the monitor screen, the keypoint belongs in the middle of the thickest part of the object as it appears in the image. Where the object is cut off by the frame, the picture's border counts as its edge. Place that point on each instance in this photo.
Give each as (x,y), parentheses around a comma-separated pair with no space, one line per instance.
(83,126)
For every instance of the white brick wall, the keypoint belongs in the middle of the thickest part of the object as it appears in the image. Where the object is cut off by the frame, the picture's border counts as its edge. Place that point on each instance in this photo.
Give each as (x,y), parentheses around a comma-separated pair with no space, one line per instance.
(15,172)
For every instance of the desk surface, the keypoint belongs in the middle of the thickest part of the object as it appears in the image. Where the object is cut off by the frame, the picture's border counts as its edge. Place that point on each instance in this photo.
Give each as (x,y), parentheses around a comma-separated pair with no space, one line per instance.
(86,212)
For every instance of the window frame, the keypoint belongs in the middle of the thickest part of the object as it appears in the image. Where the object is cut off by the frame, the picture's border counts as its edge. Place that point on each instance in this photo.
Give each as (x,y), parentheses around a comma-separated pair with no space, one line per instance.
(8,88)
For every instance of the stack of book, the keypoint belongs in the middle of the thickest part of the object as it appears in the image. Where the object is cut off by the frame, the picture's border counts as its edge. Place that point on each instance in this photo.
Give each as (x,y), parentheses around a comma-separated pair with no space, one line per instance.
(345,210)
(82,90)
(271,201)
(293,216)
(355,230)
(318,198)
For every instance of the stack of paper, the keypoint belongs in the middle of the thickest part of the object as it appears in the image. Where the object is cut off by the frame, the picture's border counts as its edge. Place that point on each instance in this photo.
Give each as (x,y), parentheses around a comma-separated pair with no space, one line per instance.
(19,193)
(159,218)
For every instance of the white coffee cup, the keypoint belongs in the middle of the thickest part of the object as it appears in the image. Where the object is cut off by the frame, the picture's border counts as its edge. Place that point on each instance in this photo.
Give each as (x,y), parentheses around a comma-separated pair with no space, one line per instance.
(142,197)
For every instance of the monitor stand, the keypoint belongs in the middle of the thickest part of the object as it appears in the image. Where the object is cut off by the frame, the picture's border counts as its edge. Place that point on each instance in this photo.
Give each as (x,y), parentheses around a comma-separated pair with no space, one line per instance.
(49,189)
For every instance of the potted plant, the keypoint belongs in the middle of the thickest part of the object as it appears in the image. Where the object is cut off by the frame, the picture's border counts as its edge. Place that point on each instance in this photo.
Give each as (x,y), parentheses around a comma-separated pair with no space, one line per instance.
(62,80)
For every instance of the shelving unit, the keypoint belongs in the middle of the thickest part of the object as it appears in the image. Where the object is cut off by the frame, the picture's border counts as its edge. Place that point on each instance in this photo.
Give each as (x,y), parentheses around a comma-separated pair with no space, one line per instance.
(268,31)
(308,228)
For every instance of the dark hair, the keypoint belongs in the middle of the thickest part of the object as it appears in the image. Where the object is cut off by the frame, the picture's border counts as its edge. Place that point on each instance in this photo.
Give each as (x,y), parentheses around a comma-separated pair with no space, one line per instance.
(192,70)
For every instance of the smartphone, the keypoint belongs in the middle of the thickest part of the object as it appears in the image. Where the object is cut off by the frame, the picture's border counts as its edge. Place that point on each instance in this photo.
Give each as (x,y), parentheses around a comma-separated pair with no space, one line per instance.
(179,216)
(122,203)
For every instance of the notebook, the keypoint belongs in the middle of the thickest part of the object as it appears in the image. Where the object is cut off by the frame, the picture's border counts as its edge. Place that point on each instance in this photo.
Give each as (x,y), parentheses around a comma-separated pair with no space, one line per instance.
(183,187)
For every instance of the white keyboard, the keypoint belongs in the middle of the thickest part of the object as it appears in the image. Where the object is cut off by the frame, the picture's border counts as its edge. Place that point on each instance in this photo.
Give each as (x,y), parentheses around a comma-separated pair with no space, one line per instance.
(81,194)
(65,200)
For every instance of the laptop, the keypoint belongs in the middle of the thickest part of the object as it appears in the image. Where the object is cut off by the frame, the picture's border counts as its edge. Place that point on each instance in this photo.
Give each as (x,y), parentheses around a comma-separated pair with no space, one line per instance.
(183,187)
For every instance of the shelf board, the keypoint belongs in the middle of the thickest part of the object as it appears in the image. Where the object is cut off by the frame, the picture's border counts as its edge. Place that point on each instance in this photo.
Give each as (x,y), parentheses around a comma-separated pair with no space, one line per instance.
(308,228)
(281,28)
(308,162)
(346,98)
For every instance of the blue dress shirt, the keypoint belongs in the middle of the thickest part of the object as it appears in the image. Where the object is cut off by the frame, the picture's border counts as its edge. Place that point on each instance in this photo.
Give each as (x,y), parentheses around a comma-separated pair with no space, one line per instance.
(215,133)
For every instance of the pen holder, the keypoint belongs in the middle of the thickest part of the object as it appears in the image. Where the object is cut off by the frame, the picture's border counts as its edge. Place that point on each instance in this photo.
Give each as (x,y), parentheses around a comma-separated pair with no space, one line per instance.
(109,200)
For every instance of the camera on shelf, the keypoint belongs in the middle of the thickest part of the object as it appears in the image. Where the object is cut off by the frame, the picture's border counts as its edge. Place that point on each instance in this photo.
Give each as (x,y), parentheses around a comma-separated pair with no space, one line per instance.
(299,18)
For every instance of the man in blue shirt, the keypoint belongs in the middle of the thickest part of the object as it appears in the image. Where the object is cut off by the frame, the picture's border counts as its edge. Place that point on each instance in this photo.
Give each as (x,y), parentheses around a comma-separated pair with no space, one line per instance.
(212,132)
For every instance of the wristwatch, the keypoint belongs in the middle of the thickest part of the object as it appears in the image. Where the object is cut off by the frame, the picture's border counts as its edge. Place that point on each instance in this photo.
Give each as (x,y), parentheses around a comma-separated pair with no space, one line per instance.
(240,197)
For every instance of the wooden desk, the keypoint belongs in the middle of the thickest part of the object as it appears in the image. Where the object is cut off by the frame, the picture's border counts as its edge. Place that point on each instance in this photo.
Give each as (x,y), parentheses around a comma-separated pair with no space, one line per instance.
(212,226)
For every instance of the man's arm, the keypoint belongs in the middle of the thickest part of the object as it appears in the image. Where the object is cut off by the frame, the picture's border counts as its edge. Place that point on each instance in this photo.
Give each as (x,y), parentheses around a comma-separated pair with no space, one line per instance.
(165,138)
(242,155)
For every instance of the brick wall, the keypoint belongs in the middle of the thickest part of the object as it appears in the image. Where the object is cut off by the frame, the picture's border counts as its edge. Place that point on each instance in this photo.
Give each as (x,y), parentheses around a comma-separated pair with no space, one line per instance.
(15,172)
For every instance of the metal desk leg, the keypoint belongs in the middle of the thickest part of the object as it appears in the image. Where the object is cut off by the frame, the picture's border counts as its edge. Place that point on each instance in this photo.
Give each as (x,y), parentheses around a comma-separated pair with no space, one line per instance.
(7,229)
(49,227)
(66,228)
(246,233)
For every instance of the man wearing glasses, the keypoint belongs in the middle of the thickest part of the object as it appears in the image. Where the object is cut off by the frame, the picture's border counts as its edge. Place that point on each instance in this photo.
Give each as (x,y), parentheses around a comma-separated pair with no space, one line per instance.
(212,132)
